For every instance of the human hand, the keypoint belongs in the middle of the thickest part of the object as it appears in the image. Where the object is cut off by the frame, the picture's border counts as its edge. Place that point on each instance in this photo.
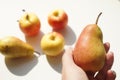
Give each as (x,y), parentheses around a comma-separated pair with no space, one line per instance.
(70,71)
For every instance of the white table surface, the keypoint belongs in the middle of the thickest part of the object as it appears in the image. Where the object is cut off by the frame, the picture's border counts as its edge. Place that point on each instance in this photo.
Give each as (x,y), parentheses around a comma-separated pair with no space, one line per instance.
(80,13)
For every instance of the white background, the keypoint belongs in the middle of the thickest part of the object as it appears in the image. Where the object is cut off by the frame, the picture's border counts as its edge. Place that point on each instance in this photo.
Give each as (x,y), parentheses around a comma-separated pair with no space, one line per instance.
(80,12)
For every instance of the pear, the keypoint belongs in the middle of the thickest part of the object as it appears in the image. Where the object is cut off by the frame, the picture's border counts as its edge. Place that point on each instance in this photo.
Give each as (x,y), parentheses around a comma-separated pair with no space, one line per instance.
(89,52)
(13,47)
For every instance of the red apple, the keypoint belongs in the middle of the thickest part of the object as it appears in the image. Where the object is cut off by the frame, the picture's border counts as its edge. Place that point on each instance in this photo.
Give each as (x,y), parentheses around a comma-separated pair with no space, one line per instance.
(29,24)
(58,19)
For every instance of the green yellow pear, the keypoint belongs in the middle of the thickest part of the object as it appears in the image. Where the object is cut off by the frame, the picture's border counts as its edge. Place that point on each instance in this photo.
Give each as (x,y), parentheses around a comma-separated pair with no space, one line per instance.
(89,52)
(13,47)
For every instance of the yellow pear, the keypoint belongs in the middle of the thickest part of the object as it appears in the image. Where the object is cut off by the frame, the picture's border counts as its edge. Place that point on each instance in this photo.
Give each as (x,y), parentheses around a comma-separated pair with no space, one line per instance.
(13,47)
(89,52)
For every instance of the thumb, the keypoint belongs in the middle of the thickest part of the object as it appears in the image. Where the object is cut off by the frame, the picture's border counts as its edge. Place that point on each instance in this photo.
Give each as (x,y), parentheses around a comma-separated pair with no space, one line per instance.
(70,71)
(67,58)
(107,46)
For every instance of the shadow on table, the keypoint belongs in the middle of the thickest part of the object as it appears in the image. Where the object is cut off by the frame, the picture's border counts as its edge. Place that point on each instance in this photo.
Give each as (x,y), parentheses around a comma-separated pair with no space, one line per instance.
(35,42)
(55,62)
(21,66)
(68,34)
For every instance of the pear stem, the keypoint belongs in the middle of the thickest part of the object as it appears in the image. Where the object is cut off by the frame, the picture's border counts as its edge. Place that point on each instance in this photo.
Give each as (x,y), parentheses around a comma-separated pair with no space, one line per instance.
(37,53)
(98,17)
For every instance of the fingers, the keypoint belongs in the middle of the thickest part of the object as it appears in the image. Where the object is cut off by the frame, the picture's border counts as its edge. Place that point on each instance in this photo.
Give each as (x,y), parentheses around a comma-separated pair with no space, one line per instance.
(66,63)
(108,64)
(111,75)
(67,57)
(90,75)
(109,61)
(107,46)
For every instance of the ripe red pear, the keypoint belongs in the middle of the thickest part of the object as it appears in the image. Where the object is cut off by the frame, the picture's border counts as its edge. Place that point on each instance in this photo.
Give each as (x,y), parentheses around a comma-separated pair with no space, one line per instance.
(89,52)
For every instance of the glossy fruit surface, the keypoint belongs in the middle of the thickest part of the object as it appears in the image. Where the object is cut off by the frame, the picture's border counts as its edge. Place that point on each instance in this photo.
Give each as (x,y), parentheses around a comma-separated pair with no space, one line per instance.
(89,52)
(13,47)
(58,19)
(29,24)
(52,44)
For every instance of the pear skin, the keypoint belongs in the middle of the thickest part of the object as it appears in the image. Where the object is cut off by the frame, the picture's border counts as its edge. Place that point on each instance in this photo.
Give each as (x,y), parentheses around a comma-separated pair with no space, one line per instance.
(89,52)
(13,47)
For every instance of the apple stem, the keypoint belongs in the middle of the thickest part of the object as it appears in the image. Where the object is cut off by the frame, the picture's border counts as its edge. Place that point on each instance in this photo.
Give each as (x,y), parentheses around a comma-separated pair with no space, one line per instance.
(98,17)
(27,17)
(56,14)
(52,37)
